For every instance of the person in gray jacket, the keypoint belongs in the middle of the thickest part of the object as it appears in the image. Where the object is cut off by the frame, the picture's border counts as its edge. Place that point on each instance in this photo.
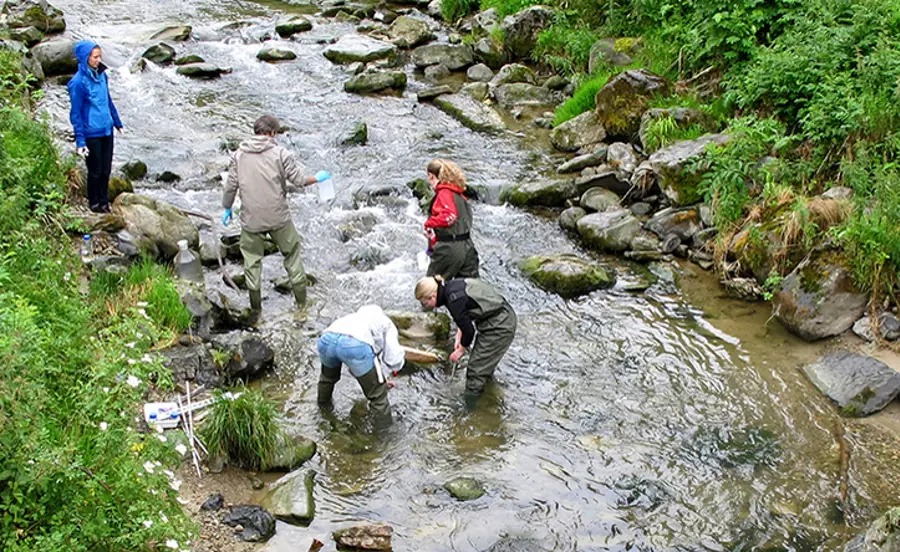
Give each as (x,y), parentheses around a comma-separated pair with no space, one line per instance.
(363,341)
(261,171)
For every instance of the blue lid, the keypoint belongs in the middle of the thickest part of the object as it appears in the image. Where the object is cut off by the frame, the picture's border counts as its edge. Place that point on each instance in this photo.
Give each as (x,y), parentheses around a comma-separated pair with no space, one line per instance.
(86,237)
(153,415)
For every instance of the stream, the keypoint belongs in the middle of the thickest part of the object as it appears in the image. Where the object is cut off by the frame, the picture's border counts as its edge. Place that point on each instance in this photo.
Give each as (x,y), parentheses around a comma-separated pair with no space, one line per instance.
(618,421)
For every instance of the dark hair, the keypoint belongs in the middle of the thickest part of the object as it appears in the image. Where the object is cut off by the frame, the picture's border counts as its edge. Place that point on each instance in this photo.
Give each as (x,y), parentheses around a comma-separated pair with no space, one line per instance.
(266,124)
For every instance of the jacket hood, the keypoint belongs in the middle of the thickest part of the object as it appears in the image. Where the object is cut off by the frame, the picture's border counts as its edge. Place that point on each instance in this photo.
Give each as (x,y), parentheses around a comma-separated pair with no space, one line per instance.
(257,144)
(83,51)
(448,186)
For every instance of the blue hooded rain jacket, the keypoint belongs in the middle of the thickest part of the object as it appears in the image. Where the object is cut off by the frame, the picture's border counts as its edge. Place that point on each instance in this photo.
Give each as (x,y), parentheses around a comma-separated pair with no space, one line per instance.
(93,114)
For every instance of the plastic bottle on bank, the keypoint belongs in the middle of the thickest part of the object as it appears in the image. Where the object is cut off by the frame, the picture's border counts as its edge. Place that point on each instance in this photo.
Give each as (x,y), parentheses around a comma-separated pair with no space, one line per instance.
(187,263)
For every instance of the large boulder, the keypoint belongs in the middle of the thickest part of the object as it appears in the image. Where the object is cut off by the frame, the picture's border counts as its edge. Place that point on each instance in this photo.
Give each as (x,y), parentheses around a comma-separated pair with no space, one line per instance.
(245,355)
(451,56)
(549,193)
(617,52)
(56,57)
(490,53)
(623,100)
(479,73)
(34,13)
(156,226)
(666,167)
(367,83)
(684,223)
(421,327)
(566,275)
(352,48)
(160,54)
(610,231)
(290,499)
(683,117)
(29,36)
(274,55)
(523,94)
(257,524)
(193,363)
(512,73)
(859,384)
(600,199)
(470,113)
(178,33)
(578,132)
(521,30)
(568,219)
(882,536)
(292,26)
(409,32)
(818,299)
(201,70)
(364,537)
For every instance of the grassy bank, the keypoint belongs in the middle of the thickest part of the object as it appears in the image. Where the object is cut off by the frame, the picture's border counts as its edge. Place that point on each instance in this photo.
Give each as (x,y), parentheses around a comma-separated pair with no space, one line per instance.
(76,473)
(812,88)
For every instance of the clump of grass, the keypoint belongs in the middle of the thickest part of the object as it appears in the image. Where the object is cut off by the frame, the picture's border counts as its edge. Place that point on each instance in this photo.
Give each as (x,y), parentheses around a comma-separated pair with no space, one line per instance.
(153,284)
(245,429)
(665,131)
(584,98)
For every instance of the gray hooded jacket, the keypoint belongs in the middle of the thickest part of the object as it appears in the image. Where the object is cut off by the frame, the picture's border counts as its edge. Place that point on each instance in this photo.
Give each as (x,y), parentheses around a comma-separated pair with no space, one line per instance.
(261,171)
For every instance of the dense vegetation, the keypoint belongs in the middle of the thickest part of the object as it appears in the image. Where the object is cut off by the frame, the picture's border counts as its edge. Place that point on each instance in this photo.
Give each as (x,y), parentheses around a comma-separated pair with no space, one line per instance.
(76,472)
(811,86)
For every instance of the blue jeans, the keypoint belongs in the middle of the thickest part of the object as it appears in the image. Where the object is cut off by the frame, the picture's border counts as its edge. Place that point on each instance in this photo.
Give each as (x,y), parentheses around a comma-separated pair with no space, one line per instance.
(336,349)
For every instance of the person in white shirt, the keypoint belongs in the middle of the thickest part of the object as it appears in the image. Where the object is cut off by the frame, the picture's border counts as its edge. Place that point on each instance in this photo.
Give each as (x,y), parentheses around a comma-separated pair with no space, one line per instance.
(364,341)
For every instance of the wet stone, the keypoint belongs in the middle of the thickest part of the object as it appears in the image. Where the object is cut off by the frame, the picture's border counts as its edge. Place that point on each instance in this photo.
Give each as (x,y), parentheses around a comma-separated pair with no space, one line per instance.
(214,503)
(464,488)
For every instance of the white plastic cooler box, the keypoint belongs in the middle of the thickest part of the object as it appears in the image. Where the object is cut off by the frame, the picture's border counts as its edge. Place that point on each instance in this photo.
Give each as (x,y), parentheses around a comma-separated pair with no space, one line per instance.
(162,414)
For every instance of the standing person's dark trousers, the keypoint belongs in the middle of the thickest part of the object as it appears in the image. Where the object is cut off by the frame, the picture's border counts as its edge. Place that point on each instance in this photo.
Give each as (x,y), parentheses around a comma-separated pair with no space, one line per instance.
(99,166)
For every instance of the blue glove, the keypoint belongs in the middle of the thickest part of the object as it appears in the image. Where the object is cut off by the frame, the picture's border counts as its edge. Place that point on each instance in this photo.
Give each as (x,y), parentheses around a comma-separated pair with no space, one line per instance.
(322,175)
(226,217)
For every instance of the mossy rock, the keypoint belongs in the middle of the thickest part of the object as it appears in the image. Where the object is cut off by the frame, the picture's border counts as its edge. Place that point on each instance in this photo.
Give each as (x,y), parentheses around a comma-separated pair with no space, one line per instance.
(275,55)
(134,170)
(292,454)
(423,191)
(566,275)
(421,326)
(118,185)
(464,488)
(367,83)
(548,193)
(192,58)
(624,99)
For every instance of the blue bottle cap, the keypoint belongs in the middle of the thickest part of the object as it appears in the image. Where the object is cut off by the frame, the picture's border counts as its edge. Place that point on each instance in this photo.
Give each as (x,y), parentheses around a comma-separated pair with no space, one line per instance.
(153,415)
(86,237)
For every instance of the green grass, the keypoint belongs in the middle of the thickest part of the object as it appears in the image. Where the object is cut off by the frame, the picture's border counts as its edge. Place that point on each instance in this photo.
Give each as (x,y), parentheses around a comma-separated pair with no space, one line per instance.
(244,429)
(582,100)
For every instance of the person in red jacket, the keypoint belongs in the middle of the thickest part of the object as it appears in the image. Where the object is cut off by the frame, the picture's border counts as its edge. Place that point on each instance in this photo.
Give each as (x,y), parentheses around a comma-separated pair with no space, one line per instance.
(453,255)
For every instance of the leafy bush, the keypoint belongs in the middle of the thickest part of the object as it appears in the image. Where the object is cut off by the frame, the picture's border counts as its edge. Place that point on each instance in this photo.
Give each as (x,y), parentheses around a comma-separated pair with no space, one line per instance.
(665,131)
(453,10)
(244,429)
(565,46)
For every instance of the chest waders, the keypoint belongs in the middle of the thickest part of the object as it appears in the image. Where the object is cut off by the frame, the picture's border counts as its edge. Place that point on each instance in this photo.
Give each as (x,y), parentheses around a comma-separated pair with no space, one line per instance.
(454,254)
(495,322)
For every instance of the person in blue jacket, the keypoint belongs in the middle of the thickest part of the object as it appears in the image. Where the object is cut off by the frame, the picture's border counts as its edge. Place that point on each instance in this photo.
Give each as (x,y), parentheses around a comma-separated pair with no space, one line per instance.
(93,116)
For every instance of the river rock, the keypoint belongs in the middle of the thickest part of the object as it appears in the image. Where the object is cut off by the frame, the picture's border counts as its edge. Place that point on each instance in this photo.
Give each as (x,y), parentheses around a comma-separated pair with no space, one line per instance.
(464,488)
(290,499)
(421,327)
(818,298)
(623,159)
(599,199)
(352,48)
(202,70)
(522,94)
(888,327)
(549,193)
(683,222)
(364,537)
(490,53)
(617,52)
(623,100)
(520,31)
(39,14)
(435,73)
(433,92)
(56,57)
(610,231)
(367,83)
(134,170)
(258,525)
(684,117)
(274,55)
(518,544)
(666,167)
(178,33)
(29,36)
(603,176)
(566,275)
(745,289)
(479,91)
(883,535)
(568,219)
(593,159)
(292,26)
(293,453)
(578,132)
(381,193)
(250,356)
(157,226)
(514,73)
(454,57)
(160,54)
(358,136)
(193,363)
(859,384)
(479,73)
(470,113)
(409,32)
(213,503)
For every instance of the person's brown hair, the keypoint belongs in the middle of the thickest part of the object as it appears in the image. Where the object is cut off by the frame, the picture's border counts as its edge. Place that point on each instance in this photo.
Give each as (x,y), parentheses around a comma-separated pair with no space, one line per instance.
(266,124)
(447,171)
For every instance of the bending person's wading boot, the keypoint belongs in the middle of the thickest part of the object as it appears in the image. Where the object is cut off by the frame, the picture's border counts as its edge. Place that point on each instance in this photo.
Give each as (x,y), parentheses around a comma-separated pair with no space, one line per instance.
(300,295)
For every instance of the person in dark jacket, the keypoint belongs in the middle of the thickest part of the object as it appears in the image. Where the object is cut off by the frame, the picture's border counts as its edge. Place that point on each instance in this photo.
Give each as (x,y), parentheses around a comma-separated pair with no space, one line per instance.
(453,254)
(482,315)
(93,116)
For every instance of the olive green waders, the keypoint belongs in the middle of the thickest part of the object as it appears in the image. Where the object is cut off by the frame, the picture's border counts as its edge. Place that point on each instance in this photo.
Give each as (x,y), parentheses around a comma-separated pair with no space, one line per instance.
(375,391)
(454,259)
(495,335)
(253,246)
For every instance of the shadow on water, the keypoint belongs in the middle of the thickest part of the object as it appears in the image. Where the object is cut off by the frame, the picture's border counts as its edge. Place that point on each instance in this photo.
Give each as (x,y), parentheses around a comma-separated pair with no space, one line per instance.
(617,421)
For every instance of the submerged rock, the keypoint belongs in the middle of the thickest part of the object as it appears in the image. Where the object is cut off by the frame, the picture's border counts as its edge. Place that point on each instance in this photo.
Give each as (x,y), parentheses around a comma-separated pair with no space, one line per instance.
(734,447)
(860,385)
(364,537)
(258,525)
(566,275)
(290,499)
(274,55)
(883,535)
(516,544)
(464,488)
(160,54)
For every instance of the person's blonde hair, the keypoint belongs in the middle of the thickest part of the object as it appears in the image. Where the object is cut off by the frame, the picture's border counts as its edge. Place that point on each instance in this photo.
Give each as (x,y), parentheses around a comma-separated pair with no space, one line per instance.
(447,171)
(427,286)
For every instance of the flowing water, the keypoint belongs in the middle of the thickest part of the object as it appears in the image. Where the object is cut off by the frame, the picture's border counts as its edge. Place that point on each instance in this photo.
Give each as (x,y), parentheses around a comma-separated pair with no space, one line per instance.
(618,420)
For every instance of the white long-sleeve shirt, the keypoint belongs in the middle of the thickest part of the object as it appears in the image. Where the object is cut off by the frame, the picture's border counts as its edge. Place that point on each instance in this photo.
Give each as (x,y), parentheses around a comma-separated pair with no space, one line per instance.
(370,325)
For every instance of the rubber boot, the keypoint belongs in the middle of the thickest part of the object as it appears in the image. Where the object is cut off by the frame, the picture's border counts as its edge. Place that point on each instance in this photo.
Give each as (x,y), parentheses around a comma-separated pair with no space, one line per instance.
(300,295)
(327,378)
(255,306)
(376,391)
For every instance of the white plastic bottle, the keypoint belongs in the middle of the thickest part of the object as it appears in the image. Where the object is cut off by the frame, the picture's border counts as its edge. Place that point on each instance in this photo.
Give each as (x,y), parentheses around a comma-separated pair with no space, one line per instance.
(187,264)
(87,247)
(326,190)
